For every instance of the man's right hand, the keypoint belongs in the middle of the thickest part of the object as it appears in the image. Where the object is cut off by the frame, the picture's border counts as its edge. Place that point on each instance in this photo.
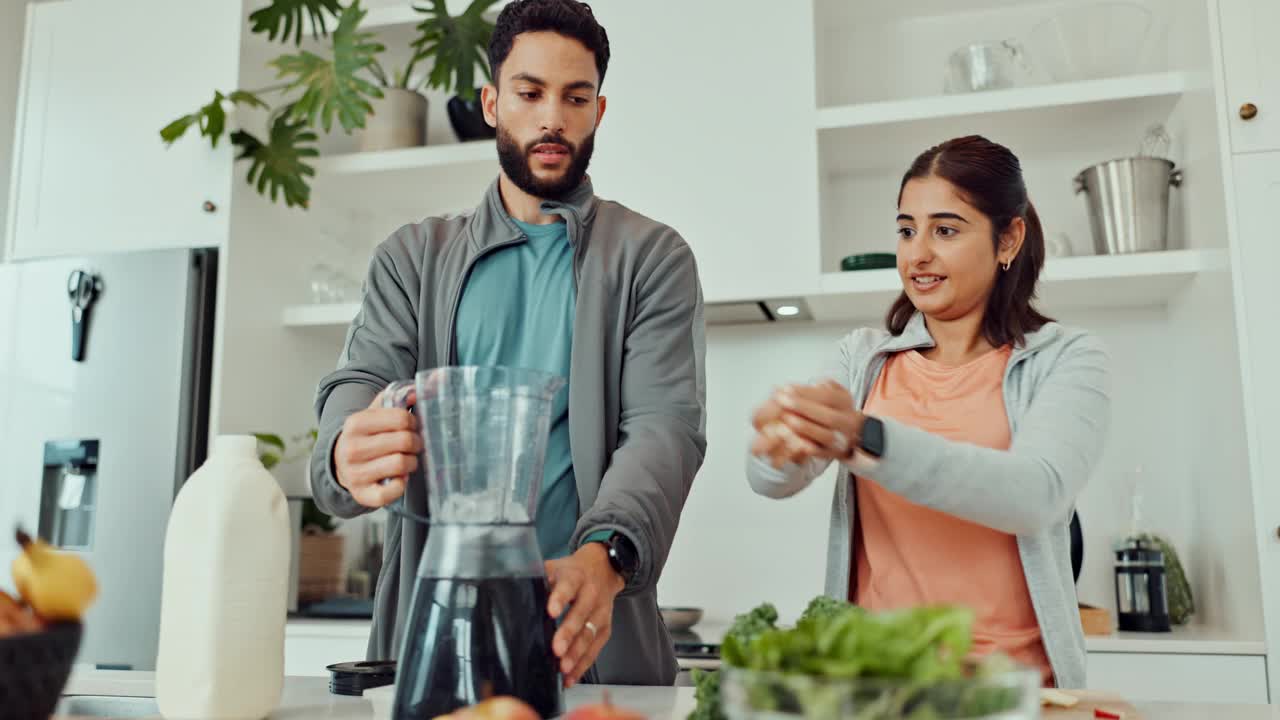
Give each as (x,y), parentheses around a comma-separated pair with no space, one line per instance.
(377,444)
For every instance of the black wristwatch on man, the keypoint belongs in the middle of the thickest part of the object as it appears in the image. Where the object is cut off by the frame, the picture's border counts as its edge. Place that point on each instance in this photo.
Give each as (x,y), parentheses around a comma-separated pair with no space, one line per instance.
(622,554)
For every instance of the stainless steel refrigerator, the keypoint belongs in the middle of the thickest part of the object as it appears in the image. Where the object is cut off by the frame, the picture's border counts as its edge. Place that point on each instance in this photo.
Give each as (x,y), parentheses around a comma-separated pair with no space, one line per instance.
(105,365)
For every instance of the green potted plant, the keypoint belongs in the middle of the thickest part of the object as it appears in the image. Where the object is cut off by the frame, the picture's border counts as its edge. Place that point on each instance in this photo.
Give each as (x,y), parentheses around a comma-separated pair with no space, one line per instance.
(349,84)
(456,47)
(273,450)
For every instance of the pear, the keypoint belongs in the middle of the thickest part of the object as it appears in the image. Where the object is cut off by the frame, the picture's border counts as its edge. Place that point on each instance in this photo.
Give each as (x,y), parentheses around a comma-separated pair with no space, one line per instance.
(58,586)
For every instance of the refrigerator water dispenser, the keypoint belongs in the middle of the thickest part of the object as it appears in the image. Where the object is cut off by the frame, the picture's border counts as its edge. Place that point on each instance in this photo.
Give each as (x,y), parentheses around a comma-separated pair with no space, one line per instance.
(69,493)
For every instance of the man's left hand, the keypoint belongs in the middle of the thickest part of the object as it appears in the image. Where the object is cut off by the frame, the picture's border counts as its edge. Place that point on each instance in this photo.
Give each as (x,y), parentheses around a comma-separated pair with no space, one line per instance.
(587,584)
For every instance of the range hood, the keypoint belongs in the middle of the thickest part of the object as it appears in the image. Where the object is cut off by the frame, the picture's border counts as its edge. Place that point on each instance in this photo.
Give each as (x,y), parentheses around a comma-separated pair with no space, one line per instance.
(750,312)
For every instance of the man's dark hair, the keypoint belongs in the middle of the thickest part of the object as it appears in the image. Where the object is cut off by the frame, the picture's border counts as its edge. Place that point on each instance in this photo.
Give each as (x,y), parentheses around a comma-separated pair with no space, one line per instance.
(565,17)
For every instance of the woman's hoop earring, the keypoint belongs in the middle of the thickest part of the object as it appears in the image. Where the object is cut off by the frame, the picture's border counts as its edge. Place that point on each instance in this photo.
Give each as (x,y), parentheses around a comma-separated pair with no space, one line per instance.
(1006,265)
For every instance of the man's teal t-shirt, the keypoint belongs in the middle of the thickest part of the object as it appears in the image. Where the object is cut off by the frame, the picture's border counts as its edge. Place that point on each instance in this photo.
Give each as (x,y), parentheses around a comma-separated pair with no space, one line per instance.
(517,311)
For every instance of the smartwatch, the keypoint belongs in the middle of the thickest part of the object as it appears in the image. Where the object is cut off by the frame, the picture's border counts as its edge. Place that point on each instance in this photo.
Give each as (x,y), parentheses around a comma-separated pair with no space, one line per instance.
(872,440)
(622,554)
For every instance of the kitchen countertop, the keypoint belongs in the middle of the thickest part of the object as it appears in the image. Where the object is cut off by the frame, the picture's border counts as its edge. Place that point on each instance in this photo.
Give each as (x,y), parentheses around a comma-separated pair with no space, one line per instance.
(1191,639)
(310,698)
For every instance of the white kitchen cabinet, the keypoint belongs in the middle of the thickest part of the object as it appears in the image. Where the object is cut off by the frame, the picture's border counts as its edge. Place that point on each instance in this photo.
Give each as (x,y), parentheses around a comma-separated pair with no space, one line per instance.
(99,80)
(1252,60)
(1152,677)
(714,136)
(1257,185)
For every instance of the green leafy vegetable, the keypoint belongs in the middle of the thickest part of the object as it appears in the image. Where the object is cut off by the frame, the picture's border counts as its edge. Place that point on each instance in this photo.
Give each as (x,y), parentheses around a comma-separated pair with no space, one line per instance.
(706,684)
(745,628)
(912,664)
(823,607)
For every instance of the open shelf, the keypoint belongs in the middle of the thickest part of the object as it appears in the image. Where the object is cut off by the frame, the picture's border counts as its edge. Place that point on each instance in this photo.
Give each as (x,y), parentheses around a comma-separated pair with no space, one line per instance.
(1096,281)
(1189,640)
(403,13)
(843,12)
(1051,98)
(478,151)
(320,315)
(1067,117)
(1070,282)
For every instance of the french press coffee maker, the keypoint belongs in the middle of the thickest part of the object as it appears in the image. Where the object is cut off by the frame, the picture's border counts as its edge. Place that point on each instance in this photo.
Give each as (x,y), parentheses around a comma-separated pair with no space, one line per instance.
(1142,600)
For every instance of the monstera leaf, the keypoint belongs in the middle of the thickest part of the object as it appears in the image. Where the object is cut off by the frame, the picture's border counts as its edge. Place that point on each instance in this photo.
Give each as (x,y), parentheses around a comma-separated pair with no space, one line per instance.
(211,118)
(289,13)
(455,44)
(279,164)
(333,87)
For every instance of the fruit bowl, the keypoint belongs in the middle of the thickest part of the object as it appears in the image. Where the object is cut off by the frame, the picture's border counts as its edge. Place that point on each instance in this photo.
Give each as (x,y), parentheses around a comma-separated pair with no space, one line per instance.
(771,695)
(34,667)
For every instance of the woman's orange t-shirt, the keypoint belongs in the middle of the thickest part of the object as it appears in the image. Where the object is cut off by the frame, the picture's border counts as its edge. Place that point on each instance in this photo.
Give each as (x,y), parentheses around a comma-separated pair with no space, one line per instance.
(911,555)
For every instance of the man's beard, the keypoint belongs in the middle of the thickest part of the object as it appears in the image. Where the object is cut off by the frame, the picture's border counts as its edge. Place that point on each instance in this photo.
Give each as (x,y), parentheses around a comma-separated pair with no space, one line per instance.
(517,164)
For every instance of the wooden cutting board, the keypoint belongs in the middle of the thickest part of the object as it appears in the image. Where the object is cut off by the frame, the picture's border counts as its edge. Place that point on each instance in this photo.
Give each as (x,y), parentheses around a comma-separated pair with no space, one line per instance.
(1089,701)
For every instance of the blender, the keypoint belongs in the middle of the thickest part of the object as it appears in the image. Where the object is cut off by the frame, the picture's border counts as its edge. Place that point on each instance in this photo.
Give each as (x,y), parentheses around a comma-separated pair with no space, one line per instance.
(478,625)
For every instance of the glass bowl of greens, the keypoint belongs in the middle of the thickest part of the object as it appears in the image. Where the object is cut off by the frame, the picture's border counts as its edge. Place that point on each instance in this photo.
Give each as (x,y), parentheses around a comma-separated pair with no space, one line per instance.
(1013,694)
(841,661)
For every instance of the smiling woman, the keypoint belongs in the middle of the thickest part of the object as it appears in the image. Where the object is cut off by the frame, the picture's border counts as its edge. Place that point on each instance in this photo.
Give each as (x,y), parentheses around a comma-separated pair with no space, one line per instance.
(973,215)
(965,432)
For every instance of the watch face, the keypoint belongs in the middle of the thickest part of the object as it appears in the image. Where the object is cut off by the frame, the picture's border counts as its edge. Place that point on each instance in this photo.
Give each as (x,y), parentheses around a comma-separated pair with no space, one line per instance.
(873,437)
(625,555)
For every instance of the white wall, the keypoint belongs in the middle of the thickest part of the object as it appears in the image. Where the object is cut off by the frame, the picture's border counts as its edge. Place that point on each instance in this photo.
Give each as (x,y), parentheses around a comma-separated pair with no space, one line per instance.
(735,549)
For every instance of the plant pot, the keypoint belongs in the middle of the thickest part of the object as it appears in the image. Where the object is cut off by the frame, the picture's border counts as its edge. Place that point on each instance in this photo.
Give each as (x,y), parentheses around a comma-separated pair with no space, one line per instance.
(467,119)
(321,561)
(398,120)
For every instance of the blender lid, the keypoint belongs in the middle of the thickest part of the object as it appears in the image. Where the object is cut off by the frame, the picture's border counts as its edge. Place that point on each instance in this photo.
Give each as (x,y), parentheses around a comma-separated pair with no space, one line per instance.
(353,678)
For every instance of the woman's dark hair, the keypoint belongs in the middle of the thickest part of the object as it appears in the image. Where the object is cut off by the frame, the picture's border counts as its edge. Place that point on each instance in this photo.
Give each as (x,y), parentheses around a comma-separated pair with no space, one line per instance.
(565,17)
(988,177)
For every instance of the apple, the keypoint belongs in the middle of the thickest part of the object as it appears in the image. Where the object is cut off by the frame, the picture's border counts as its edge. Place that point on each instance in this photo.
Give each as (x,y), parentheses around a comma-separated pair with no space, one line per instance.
(603,710)
(501,707)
